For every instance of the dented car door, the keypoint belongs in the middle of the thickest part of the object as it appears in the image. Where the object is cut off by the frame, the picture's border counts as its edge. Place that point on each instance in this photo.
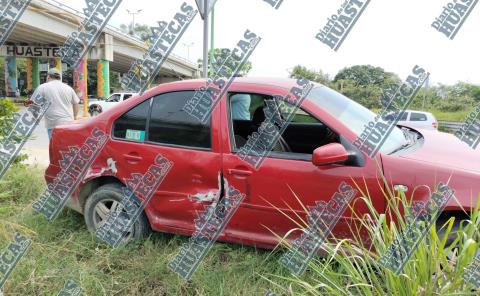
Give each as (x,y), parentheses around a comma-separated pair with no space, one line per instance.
(163,127)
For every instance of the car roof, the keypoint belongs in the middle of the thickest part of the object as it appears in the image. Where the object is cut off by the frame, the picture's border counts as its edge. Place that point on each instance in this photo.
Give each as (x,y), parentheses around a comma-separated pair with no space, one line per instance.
(416,111)
(285,83)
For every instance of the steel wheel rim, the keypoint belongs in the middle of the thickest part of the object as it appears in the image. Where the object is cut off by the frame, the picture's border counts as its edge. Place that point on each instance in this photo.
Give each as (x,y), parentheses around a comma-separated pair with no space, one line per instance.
(102,210)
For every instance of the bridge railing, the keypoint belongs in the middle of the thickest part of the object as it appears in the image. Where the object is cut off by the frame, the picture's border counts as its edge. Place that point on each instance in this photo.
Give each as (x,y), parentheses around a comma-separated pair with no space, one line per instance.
(113,28)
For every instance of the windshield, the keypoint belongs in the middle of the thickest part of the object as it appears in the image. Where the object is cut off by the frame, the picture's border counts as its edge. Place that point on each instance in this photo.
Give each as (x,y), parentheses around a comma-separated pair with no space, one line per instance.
(353,115)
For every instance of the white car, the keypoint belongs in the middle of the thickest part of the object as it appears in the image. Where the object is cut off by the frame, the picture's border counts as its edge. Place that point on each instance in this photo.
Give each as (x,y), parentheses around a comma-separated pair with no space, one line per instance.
(417,119)
(97,107)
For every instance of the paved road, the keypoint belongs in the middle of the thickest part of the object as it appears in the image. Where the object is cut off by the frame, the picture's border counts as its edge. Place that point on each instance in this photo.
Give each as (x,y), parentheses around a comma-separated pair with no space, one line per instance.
(37,146)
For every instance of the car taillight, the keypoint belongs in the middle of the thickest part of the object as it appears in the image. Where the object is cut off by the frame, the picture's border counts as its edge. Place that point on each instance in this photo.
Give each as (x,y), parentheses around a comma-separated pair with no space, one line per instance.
(435,124)
(50,149)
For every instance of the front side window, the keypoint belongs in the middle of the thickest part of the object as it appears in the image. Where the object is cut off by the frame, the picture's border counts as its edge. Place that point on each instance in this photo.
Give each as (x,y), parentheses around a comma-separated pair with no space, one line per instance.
(303,134)
(241,106)
(170,124)
(418,117)
(126,97)
(132,125)
(300,116)
(114,98)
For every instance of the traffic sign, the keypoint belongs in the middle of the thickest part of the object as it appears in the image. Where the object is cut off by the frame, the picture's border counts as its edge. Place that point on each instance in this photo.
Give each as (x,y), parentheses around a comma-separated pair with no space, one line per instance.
(200,4)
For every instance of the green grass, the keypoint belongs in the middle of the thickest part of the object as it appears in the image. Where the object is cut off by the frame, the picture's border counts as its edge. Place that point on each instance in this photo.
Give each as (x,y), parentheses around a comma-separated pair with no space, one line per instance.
(352,268)
(451,116)
(64,249)
(443,116)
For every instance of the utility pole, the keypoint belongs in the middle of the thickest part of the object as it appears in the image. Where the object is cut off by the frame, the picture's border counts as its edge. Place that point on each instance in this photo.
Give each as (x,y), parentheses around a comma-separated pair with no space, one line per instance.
(205,38)
(212,38)
(188,45)
(204,6)
(133,21)
(425,92)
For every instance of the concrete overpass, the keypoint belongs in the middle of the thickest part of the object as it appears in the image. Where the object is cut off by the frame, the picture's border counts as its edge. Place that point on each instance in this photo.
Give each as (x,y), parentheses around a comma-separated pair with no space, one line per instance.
(45,26)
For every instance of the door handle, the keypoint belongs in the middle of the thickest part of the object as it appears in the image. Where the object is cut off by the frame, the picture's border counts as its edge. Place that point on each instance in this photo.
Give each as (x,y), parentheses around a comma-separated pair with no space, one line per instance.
(133,158)
(238,172)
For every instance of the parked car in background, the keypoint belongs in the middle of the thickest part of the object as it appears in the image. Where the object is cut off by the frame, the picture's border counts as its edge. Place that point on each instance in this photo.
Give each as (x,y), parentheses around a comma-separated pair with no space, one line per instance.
(91,98)
(311,158)
(417,119)
(97,107)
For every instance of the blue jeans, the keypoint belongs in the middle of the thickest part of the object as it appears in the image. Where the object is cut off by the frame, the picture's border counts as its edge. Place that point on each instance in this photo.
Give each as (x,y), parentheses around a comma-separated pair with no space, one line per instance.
(49,132)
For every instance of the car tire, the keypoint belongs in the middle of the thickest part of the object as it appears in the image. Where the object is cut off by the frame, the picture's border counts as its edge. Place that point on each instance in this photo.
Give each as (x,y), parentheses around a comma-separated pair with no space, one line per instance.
(105,197)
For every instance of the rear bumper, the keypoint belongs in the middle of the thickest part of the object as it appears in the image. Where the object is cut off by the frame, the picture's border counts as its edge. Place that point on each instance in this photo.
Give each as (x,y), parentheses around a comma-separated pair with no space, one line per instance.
(72,202)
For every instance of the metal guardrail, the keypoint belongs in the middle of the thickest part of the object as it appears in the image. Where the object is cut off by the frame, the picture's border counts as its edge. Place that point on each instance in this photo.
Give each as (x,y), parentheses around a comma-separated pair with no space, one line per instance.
(451,125)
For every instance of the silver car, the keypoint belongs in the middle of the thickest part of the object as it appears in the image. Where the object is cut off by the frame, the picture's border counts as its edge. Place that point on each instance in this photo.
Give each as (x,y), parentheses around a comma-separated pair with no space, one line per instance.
(417,119)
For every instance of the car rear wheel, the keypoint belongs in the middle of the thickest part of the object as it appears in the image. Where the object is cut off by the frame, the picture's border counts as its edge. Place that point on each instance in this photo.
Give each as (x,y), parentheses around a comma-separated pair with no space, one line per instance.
(105,200)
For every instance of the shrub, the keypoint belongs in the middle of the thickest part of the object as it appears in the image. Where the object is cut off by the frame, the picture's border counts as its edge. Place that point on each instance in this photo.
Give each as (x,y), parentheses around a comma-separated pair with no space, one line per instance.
(7,110)
(352,267)
(455,104)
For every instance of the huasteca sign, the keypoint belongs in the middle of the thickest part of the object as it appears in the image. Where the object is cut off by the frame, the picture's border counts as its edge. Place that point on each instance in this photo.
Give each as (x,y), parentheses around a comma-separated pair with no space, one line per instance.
(30,51)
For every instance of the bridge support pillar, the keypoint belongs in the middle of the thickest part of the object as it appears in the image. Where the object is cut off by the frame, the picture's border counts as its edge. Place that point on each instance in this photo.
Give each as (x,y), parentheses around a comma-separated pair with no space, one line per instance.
(103,78)
(11,76)
(80,75)
(35,73)
(58,66)
(29,74)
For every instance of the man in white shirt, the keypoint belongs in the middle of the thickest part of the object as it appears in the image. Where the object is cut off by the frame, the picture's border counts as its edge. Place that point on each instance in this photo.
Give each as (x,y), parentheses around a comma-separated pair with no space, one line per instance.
(64,101)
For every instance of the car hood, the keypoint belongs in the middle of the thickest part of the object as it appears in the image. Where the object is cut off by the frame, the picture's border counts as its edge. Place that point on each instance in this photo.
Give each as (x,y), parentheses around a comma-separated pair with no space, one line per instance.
(446,150)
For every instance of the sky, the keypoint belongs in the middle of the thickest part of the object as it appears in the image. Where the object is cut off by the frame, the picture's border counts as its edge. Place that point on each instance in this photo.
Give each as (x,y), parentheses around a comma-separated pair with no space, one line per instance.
(393,34)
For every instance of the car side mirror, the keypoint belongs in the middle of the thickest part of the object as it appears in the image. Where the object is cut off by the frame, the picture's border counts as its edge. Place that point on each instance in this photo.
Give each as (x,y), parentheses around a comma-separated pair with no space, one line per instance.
(333,153)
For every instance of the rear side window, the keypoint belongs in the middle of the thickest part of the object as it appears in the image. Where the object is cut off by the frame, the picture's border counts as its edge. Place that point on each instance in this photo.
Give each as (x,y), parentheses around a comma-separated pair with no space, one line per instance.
(170,124)
(132,125)
(418,117)
(391,117)
(126,97)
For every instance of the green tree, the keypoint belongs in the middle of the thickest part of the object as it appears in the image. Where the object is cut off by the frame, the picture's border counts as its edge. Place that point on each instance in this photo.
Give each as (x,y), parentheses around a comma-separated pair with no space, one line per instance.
(364,75)
(219,55)
(312,75)
(460,89)
(115,81)
(365,84)
(7,109)
(368,96)
(143,32)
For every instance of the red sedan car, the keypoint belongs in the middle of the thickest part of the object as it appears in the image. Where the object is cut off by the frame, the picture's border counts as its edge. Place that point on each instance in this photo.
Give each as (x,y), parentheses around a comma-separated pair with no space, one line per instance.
(202,154)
